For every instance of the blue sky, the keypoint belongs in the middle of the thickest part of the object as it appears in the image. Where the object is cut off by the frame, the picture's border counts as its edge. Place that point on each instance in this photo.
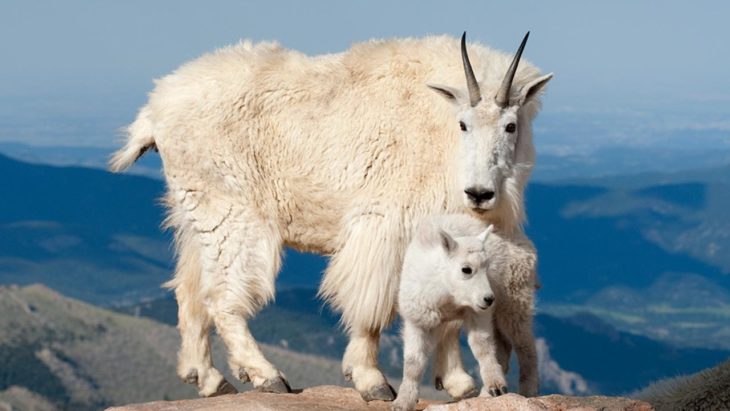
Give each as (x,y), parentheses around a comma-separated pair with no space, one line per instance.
(74,71)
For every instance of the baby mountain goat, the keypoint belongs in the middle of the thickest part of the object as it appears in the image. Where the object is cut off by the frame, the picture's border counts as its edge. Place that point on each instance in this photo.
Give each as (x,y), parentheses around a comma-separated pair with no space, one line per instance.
(457,272)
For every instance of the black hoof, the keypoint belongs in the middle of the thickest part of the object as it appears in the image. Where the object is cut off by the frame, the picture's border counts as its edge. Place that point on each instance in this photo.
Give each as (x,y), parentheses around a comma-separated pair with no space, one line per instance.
(192,377)
(224,388)
(496,392)
(382,392)
(276,385)
(438,384)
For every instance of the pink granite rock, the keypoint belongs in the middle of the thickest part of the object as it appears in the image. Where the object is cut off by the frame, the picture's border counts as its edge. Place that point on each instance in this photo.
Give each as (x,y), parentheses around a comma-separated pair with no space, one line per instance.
(333,398)
(546,403)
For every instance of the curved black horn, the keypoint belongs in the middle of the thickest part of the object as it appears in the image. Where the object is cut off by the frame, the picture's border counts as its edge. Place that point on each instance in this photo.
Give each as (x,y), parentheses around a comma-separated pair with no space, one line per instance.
(474,94)
(502,97)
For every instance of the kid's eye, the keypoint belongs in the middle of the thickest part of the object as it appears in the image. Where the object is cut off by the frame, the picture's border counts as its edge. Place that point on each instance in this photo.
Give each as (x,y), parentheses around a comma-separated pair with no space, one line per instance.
(462,126)
(466,270)
(510,128)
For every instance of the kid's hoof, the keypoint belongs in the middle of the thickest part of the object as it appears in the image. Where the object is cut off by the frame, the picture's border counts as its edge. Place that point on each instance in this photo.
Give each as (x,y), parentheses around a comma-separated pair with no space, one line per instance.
(276,385)
(224,388)
(438,384)
(243,376)
(348,374)
(382,392)
(496,392)
(469,394)
(191,377)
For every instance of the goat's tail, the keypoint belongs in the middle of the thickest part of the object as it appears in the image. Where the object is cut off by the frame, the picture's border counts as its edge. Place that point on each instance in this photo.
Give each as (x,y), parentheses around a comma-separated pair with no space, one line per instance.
(140,138)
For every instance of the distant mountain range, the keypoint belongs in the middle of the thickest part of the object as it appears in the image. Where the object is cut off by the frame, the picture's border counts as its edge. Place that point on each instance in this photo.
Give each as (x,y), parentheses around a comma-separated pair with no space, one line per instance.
(81,357)
(87,233)
(87,157)
(649,254)
(646,254)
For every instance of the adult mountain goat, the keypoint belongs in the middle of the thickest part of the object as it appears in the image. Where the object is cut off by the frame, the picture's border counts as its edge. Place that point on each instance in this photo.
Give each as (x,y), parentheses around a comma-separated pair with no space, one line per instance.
(340,154)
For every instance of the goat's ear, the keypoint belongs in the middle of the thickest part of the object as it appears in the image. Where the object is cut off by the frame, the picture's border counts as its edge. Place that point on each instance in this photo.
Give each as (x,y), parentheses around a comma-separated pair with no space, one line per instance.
(447,242)
(485,234)
(534,88)
(451,94)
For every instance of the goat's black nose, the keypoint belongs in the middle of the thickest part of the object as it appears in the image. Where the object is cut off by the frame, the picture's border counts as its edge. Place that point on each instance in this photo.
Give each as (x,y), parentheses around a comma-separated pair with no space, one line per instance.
(479,194)
(489,300)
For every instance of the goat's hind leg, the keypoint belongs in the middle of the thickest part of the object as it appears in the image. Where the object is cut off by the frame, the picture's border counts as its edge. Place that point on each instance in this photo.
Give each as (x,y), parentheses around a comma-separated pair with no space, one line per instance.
(483,346)
(504,349)
(514,313)
(239,260)
(518,328)
(195,365)
(244,259)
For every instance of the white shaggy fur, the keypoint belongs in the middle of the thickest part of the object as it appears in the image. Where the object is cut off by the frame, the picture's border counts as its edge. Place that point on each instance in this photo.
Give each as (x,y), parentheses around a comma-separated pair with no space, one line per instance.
(446,282)
(338,154)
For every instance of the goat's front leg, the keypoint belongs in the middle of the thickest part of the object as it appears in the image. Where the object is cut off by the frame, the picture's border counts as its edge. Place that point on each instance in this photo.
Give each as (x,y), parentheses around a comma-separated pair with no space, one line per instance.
(448,370)
(362,282)
(417,344)
(483,346)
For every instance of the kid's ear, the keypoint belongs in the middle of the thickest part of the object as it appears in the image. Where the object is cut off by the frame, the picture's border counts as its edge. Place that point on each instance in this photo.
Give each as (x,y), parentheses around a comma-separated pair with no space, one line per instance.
(483,236)
(447,242)
(452,95)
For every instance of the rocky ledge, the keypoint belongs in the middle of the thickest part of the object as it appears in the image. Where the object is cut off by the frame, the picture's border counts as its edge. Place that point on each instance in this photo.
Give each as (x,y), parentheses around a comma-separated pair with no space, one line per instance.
(332,398)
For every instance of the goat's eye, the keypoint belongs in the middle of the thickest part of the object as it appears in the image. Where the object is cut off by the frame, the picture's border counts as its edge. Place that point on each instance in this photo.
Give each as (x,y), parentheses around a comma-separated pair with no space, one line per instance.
(462,126)
(510,128)
(466,270)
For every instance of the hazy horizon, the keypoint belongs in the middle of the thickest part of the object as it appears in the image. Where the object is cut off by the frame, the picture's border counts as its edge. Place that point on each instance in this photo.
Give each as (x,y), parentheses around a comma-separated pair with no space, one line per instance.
(76,72)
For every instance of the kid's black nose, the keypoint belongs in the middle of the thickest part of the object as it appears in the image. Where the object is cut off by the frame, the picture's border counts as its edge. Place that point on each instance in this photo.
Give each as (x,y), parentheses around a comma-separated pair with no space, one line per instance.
(489,300)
